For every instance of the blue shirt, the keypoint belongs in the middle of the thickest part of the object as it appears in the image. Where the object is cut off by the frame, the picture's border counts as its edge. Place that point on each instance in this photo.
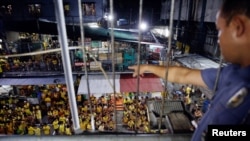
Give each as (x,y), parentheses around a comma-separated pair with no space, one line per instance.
(232,80)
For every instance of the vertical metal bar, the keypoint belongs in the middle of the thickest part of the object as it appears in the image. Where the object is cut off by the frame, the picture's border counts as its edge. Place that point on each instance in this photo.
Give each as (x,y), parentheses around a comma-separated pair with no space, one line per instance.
(190,10)
(66,63)
(179,19)
(139,46)
(113,54)
(203,12)
(84,60)
(138,55)
(168,60)
(202,29)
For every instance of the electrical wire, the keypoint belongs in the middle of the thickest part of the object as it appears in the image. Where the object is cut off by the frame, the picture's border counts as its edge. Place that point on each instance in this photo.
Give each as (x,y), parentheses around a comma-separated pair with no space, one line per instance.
(218,74)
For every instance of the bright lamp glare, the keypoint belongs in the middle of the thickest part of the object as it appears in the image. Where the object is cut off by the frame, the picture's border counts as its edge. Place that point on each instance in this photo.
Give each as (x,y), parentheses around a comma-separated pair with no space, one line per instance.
(110,17)
(166,32)
(93,25)
(143,26)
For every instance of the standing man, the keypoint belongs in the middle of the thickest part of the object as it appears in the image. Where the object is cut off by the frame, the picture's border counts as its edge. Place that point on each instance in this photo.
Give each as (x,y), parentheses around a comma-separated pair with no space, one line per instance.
(231,101)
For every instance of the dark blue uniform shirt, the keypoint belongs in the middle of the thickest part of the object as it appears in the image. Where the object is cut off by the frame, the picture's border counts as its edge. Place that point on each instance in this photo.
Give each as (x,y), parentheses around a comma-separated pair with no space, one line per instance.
(230,103)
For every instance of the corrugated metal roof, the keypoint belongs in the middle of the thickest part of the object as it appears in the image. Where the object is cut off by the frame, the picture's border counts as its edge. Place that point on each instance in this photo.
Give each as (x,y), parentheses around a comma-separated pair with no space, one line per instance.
(197,61)
(148,83)
(98,84)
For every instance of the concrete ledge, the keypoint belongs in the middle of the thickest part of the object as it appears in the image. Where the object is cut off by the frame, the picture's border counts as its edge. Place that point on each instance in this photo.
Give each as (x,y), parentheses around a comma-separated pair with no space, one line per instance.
(96,137)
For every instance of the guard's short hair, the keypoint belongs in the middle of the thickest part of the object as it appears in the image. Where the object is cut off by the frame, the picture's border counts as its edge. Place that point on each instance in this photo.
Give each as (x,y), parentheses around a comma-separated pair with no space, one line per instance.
(230,8)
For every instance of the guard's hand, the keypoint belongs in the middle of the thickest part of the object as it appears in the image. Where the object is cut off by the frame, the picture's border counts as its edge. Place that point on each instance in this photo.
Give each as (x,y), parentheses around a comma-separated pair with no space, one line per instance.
(135,68)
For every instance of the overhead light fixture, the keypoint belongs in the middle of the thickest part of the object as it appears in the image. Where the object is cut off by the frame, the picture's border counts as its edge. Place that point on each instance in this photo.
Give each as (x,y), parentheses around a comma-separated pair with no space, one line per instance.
(143,26)
(110,17)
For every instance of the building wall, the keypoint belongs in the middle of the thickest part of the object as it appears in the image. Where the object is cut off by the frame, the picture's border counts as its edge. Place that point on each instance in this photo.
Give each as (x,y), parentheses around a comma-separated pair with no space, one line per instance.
(20,10)
(197,21)
(212,7)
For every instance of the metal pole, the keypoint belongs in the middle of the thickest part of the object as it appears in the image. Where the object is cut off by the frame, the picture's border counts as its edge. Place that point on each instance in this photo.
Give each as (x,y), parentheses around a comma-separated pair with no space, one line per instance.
(179,19)
(138,56)
(66,63)
(84,60)
(113,54)
(168,60)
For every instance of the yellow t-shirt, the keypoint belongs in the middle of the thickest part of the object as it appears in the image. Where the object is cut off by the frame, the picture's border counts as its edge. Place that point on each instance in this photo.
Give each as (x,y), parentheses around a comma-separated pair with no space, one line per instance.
(83,125)
(61,129)
(55,124)
(37,131)
(20,129)
(188,90)
(188,100)
(46,130)
(38,114)
(1,70)
(55,112)
(47,100)
(67,112)
(31,130)
(68,131)
(79,98)
(62,119)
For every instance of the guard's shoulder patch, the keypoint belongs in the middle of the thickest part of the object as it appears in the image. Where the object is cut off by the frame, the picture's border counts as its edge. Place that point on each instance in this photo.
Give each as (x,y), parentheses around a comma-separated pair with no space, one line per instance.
(237,98)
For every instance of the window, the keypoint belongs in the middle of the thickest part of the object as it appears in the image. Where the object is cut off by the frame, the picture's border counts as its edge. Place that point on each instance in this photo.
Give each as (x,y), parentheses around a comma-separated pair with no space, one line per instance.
(34,9)
(88,9)
(66,7)
(7,9)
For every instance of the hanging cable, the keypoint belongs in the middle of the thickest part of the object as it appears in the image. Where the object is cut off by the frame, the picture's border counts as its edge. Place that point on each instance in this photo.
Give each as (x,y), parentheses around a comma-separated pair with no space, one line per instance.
(168,57)
(218,74)
(36,52)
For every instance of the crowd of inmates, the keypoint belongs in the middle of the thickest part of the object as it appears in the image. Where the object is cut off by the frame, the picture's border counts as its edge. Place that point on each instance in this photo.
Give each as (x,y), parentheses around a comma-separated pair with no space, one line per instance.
(49,62)
(135,114)
(51,114)
(193,99)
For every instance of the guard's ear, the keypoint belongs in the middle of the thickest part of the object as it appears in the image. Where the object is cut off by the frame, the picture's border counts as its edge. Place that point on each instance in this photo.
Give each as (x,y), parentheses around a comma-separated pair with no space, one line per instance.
(238,25)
